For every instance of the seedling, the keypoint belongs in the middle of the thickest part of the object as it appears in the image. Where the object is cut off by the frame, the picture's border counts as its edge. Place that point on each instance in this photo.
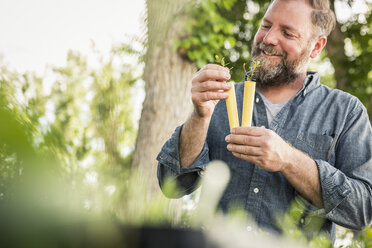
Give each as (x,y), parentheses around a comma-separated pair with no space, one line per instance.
(250,77)
(221,61)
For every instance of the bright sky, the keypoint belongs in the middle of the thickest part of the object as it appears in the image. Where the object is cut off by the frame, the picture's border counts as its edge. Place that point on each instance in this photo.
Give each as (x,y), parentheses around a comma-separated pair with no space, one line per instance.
(35,33)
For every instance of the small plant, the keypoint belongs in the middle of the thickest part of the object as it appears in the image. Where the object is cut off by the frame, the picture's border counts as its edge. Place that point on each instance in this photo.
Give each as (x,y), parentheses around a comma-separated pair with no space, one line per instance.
(221,61)
(249,76)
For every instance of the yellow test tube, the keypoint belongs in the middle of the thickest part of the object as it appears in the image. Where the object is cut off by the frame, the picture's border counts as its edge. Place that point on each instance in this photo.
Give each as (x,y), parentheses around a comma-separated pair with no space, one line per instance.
(232,109)
(248,101)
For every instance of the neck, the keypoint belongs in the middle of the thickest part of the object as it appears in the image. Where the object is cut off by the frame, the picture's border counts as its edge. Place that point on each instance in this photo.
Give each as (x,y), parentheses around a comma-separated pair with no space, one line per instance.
(283,93)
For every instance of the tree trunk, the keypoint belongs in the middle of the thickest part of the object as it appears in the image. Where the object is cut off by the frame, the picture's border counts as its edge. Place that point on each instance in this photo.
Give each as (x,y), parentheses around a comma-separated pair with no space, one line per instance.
(336,53)
(370,108)
(168,82)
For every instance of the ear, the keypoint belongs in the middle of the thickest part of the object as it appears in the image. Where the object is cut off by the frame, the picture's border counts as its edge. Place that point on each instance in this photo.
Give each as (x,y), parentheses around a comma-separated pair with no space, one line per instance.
(318,46)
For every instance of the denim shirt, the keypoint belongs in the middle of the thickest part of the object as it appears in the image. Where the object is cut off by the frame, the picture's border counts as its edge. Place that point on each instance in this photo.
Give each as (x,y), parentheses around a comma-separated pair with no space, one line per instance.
(329,125)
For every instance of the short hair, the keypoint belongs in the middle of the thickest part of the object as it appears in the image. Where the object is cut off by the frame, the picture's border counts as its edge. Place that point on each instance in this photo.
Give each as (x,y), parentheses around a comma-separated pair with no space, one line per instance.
(322,16)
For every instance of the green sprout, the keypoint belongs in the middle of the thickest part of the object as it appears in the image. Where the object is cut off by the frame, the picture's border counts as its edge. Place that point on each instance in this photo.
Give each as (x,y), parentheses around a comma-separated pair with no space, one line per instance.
(221,61)
(254,65)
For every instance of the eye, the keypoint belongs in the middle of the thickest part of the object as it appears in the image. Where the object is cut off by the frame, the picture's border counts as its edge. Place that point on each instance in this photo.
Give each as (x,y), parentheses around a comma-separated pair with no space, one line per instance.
(289,35)
(265,26)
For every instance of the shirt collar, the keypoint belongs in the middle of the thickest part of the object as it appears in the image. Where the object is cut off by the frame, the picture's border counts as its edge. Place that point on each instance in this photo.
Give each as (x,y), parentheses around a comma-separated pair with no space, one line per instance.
(312,81)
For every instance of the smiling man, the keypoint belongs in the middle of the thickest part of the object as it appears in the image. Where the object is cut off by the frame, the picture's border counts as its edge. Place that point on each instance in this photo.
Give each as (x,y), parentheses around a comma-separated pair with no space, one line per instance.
(308,143)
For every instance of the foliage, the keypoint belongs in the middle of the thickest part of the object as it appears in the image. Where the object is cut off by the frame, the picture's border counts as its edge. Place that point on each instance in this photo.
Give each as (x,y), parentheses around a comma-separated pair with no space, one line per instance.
(78,116)
(220,61)
(222,27)
(292,225)
(16,134)
(308,230)
(358,54)
(65,147)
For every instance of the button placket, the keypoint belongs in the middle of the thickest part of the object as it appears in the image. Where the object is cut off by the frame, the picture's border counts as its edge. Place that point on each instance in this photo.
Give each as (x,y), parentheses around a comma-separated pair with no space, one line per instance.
(259,176)
(260,118)
(255,194)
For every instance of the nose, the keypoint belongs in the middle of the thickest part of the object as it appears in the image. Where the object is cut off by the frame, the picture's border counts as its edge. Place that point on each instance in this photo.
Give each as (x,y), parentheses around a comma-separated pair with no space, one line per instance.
(271,37)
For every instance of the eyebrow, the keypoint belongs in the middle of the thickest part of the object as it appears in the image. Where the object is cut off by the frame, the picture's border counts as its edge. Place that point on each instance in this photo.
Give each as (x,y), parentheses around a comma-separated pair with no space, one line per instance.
(287,27)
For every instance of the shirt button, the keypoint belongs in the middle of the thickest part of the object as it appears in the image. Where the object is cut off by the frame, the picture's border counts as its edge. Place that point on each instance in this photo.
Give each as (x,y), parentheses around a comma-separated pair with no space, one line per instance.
(256,190)
(249,228)
(257,99)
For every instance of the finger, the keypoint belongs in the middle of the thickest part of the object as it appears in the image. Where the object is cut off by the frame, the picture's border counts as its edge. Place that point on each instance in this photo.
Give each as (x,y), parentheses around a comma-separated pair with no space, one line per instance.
(215,67)
(209,95)
(247,150)
(244,140)
(253,131)
(211,86)
(249,158)
(215,75)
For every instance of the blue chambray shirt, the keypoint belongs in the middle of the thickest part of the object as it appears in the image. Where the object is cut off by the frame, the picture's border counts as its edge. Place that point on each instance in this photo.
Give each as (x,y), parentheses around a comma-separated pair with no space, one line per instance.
(329,125)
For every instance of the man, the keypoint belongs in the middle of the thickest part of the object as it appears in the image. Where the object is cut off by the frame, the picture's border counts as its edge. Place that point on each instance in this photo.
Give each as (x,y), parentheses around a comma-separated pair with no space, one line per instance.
(308,142)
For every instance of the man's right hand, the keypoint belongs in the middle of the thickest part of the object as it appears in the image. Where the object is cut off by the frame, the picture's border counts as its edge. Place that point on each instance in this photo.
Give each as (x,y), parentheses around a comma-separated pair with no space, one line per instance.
(209,85)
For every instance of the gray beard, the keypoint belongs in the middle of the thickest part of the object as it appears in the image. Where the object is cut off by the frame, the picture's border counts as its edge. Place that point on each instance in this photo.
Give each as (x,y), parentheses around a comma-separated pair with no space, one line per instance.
(268,74)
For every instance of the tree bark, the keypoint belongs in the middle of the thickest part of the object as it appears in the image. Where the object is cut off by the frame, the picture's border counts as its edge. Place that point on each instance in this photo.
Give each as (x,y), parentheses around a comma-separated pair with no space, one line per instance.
(167,79)
(336,53)
(370,110)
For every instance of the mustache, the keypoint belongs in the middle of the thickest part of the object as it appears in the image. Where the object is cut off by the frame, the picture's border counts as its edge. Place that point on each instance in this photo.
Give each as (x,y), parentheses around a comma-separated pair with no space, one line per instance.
(269,49)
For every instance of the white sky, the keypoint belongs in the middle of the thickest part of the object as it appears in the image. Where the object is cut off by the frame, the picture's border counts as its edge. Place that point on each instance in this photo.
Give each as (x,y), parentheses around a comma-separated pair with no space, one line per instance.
(34,33)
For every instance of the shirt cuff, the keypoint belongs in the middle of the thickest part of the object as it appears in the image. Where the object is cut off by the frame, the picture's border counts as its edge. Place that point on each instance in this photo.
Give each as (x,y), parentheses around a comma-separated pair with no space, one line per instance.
(169,156)
(169,167)
(334,184)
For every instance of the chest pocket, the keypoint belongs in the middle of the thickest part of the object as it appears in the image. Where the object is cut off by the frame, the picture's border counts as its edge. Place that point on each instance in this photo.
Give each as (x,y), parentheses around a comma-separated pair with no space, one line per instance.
(316,145)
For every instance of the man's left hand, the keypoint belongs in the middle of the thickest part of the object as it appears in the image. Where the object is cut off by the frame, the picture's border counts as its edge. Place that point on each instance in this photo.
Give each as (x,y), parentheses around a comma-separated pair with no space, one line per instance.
(260,146)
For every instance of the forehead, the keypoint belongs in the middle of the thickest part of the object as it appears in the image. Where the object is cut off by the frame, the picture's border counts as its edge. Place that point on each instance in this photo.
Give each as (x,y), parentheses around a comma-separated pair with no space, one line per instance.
(295,14)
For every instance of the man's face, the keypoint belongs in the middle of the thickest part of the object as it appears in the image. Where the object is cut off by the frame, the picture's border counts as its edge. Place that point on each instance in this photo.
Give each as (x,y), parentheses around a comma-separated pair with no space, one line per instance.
(283,43)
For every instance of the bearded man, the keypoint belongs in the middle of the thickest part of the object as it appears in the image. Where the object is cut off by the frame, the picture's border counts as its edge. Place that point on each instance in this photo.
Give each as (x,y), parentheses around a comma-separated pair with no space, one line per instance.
(308,143)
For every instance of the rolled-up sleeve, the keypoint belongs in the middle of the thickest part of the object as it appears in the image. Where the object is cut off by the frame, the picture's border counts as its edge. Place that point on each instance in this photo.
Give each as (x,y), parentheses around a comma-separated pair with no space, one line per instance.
(347,186)
(169,167)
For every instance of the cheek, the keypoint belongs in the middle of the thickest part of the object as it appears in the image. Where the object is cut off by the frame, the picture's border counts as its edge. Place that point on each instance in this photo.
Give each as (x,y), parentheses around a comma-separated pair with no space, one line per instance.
(292,48)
